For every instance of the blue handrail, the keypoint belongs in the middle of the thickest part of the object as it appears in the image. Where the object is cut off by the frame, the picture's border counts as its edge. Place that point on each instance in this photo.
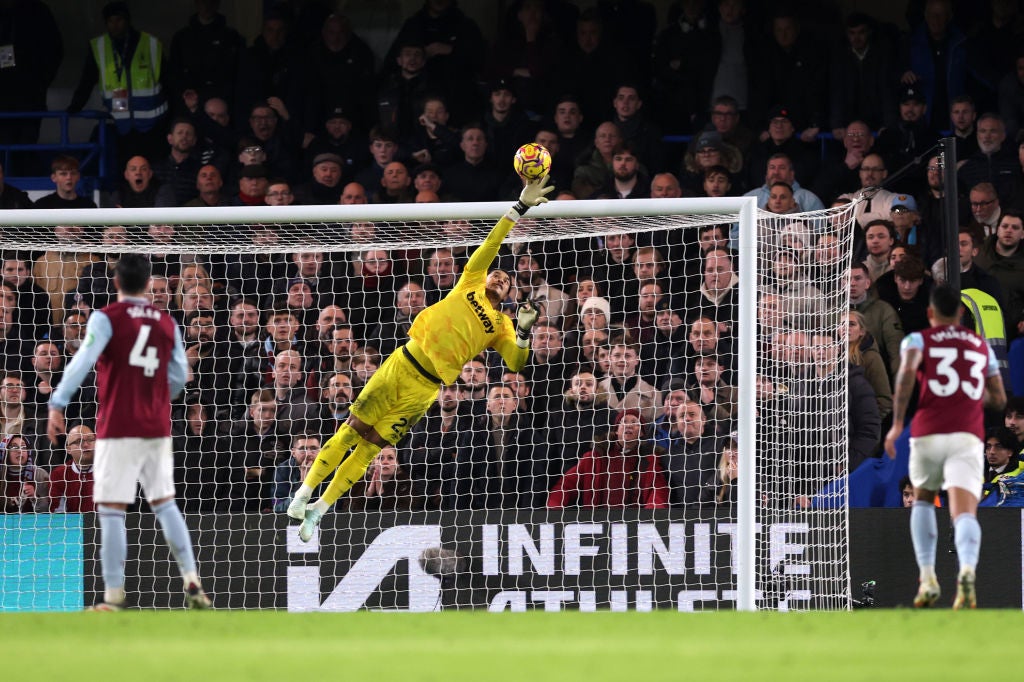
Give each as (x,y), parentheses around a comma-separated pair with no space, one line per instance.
(94,151)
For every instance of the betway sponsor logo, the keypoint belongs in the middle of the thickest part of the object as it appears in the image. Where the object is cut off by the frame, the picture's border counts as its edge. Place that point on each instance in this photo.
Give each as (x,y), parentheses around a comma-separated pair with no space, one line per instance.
(481,312)
(563,561)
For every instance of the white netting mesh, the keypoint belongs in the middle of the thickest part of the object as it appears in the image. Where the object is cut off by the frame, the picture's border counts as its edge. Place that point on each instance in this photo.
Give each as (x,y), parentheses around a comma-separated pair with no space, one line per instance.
(518,475)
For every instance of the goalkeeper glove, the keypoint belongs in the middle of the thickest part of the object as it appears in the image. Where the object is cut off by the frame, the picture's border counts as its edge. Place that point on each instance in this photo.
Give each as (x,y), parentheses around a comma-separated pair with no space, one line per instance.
(533,194)
(526,317)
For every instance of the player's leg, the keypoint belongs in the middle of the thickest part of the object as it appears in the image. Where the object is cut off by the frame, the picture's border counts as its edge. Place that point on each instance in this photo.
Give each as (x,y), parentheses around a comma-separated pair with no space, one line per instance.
(330,456)
(114,478)
(964,475)
(926,477)
(157,479)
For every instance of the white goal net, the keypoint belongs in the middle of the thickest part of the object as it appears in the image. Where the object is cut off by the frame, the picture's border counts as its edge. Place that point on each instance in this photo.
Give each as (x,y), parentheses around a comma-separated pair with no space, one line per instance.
(670,443)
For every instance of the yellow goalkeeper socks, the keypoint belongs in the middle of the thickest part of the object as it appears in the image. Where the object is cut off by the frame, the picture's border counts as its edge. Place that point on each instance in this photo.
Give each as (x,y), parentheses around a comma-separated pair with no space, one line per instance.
(331,454)
(350,471)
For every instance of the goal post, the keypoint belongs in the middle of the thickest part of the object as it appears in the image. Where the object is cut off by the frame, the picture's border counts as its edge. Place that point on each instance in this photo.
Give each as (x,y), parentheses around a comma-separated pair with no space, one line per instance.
(775,478)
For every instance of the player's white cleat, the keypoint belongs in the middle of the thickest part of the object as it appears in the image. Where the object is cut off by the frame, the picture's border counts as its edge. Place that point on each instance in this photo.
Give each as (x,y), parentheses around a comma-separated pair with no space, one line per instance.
(966,597)
(297,508)
(927,594)
(310,522)
(196,599)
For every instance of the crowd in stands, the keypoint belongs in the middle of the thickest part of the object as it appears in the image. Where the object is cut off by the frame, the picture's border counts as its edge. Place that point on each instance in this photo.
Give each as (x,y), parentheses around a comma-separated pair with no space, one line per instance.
(628,399)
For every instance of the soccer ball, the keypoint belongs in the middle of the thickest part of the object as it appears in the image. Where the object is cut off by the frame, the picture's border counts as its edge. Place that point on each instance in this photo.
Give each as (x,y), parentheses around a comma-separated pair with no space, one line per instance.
(532,161)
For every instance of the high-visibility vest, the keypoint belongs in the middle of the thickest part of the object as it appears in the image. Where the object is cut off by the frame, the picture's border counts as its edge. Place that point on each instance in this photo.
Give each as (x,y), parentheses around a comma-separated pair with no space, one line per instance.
(989,324)
(140,78)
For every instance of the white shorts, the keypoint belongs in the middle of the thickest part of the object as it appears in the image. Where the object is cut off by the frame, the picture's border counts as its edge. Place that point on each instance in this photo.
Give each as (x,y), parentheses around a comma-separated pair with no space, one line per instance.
(122,462)
(947,460)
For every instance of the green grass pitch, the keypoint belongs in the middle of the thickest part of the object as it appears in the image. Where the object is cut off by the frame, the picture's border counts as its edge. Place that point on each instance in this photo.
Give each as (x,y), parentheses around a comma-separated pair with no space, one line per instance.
(529,647)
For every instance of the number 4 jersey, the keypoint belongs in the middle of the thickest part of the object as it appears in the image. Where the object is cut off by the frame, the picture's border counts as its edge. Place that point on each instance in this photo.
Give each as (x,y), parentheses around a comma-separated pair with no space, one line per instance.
(140,364)
(955,362)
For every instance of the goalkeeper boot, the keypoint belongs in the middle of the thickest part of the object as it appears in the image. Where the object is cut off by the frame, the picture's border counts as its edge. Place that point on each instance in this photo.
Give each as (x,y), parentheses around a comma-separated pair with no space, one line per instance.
(297,508)
(309,523)
(966,597)
(196,599)
(927,594)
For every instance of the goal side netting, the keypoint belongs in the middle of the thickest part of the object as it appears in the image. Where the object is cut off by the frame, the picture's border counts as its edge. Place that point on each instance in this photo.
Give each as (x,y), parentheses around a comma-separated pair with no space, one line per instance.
(673,441)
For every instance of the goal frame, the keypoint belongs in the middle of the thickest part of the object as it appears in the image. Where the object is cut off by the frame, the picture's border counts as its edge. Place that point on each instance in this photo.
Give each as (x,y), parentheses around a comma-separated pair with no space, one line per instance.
(743,207)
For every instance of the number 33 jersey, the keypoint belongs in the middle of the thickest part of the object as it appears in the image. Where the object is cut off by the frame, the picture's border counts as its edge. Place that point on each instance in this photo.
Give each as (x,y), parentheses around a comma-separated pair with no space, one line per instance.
(955,363)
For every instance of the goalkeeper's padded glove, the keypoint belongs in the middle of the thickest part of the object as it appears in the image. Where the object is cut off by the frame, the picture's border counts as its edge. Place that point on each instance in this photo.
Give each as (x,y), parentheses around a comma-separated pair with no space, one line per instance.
(533,194)
(526,317)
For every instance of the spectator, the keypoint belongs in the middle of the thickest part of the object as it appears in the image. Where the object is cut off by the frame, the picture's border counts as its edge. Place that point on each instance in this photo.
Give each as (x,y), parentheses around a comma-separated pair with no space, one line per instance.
(410,300)
(339,69)
(432,141)
(568,119)
(474,177)
(139,189)
(880,320)
(709,151)
(206,357)
(994,162)
(274,131)
(607,476)
(721,486)
(878,203)
(909,138)
(259,447)
(1011,96)
(335,400)
(780,169)
(625,388)
(941,77)
(131,83)
(691,457)
(684,66)
(71,483)
(24,485)
(289,473)
(209,184)
(353,194)
(454,48)
(963,116)
(665,356)
(295,412)
(717,296)
(1002,256)
(433,446)
(879,239)
(13,349)
(47,366)
(640,323)
(501,462)
(629,180)
(718,399)
(179,169)
(200,461)
(442,271)
(840,174)
(279,193)
(325,187)
(1001,456)
(16,416)
(791,69)
(780,139)
(10,196)
(594,163)
(384,150)
(861,77)
(637,129)
(912,292)
(252,186)
(385,487)
(340,138)
(583,418)
(781,200)
(394,185)
(271,66)
(971,275)
(727,122)
(33,303)
(985,208)
(65,175)
(205,55)
(863,352)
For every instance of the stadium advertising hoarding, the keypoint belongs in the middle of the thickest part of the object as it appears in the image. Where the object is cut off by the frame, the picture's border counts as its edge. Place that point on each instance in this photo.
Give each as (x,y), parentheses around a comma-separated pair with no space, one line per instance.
(513,561)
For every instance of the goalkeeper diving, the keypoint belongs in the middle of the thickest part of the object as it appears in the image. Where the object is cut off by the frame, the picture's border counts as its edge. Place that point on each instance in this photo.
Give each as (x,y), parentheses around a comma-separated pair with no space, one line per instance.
(442,339)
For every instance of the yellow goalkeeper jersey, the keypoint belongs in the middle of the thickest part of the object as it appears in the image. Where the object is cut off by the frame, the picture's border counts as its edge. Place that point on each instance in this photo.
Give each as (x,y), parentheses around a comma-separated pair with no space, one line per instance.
(464,322)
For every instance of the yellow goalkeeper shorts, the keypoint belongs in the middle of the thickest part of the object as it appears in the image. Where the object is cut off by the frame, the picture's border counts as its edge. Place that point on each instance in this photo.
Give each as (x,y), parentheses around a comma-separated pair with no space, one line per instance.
(396,397)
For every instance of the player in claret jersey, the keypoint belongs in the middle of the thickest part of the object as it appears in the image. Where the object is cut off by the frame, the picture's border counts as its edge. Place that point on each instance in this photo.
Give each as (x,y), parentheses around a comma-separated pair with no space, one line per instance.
(140,366)
(959,376)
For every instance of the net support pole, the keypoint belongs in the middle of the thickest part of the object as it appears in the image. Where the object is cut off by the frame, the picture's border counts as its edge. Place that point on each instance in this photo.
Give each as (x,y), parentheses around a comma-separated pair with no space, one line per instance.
(747,337)
(950,212)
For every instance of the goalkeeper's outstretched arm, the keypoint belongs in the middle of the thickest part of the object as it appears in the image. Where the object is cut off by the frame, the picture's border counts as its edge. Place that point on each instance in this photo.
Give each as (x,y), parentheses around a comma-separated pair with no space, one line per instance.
(533,194)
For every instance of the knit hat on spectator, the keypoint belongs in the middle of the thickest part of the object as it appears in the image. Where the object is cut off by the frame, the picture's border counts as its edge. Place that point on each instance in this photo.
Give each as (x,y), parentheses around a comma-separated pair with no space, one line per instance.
(599,303)
(255,170)
(673,384)
(779,112)
(113,9)
(709,139)
(337,112)
(903,202)
(299,280)
(328,158)
(619,416)
(503,84)
(912,92)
